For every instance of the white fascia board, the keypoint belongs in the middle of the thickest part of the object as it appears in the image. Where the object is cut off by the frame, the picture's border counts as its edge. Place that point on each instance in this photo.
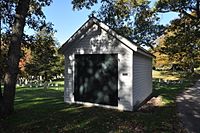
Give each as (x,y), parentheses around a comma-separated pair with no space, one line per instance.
(76,34)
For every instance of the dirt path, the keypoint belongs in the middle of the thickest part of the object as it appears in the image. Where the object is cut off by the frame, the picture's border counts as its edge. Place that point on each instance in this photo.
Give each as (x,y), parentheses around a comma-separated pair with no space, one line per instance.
(188,107)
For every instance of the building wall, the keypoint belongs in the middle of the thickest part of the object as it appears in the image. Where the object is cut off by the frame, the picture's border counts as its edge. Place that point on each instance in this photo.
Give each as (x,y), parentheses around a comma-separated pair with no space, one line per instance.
(142,78)
(98,41)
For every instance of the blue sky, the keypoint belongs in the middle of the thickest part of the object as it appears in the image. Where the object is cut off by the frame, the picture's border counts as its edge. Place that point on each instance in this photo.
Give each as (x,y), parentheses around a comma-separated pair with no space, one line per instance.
(66,21)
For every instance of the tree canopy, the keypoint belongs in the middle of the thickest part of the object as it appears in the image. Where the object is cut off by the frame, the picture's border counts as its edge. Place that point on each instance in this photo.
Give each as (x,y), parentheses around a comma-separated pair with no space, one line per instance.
(185,7)
(44,56)
(181,38)
(182,42)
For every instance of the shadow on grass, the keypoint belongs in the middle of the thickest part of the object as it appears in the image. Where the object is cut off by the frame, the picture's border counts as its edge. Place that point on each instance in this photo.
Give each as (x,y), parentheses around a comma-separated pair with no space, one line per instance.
(170,89)
(39,110)
(179,74)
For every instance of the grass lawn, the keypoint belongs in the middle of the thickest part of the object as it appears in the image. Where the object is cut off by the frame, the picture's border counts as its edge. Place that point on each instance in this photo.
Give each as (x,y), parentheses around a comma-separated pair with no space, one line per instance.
(43,111)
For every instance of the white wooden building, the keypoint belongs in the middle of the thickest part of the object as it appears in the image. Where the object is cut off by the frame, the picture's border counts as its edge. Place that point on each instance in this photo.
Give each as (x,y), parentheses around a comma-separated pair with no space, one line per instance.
(103,68)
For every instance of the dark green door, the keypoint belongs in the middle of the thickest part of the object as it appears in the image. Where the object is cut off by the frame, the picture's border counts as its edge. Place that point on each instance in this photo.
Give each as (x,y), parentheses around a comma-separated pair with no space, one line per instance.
(96,78)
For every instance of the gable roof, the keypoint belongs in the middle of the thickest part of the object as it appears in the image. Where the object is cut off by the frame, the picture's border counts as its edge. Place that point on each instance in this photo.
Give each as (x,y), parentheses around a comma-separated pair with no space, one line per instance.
(123,40)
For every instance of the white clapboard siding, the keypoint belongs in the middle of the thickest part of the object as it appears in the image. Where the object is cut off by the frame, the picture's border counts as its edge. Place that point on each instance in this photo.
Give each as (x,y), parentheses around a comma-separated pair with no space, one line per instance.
(142,78)
(97,41)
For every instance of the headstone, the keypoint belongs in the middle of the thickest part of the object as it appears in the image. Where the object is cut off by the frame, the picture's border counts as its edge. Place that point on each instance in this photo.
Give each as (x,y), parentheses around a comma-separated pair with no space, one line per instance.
(45,85)
(26,82)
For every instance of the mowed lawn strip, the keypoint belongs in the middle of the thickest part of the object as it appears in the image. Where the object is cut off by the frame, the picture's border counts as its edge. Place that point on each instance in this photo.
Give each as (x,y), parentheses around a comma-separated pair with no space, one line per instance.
(43,111)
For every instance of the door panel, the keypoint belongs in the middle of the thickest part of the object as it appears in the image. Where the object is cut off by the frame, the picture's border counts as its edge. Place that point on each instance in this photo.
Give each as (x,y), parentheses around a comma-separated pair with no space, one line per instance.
(96,78)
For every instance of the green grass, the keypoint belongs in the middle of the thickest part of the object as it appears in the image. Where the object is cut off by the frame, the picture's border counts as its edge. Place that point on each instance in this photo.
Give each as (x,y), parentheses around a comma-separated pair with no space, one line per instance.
(171,84)
(43,111)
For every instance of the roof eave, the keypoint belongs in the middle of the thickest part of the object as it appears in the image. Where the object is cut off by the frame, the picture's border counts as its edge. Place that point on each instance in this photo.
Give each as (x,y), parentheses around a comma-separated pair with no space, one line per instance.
(122,39)
(79,32)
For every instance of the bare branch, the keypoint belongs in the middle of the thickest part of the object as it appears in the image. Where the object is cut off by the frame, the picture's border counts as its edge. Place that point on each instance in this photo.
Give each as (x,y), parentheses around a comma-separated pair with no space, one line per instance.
(187,14)
(198,8)
(179,11)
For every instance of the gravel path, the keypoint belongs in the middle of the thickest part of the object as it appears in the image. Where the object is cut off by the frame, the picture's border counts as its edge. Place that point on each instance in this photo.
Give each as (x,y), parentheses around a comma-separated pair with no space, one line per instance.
(188,107)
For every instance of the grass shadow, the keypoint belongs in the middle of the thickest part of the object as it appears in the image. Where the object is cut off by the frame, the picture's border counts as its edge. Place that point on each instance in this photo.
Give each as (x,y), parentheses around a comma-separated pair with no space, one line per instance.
(39,110)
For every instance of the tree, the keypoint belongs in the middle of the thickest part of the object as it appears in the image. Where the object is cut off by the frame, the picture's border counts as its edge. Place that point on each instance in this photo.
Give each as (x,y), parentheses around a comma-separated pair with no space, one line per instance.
(182,42)
(162,60)
(15,14)
(44,57)
(185,7)
(79,4)
(13,57)
(24,61)
(3,51)
(147,28)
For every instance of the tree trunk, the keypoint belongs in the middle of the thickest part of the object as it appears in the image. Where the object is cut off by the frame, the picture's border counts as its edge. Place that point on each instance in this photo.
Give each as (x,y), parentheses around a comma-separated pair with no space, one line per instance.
(198,9)
(192,67)
(1,97)
(1,72)
(13,57)
(0,89)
